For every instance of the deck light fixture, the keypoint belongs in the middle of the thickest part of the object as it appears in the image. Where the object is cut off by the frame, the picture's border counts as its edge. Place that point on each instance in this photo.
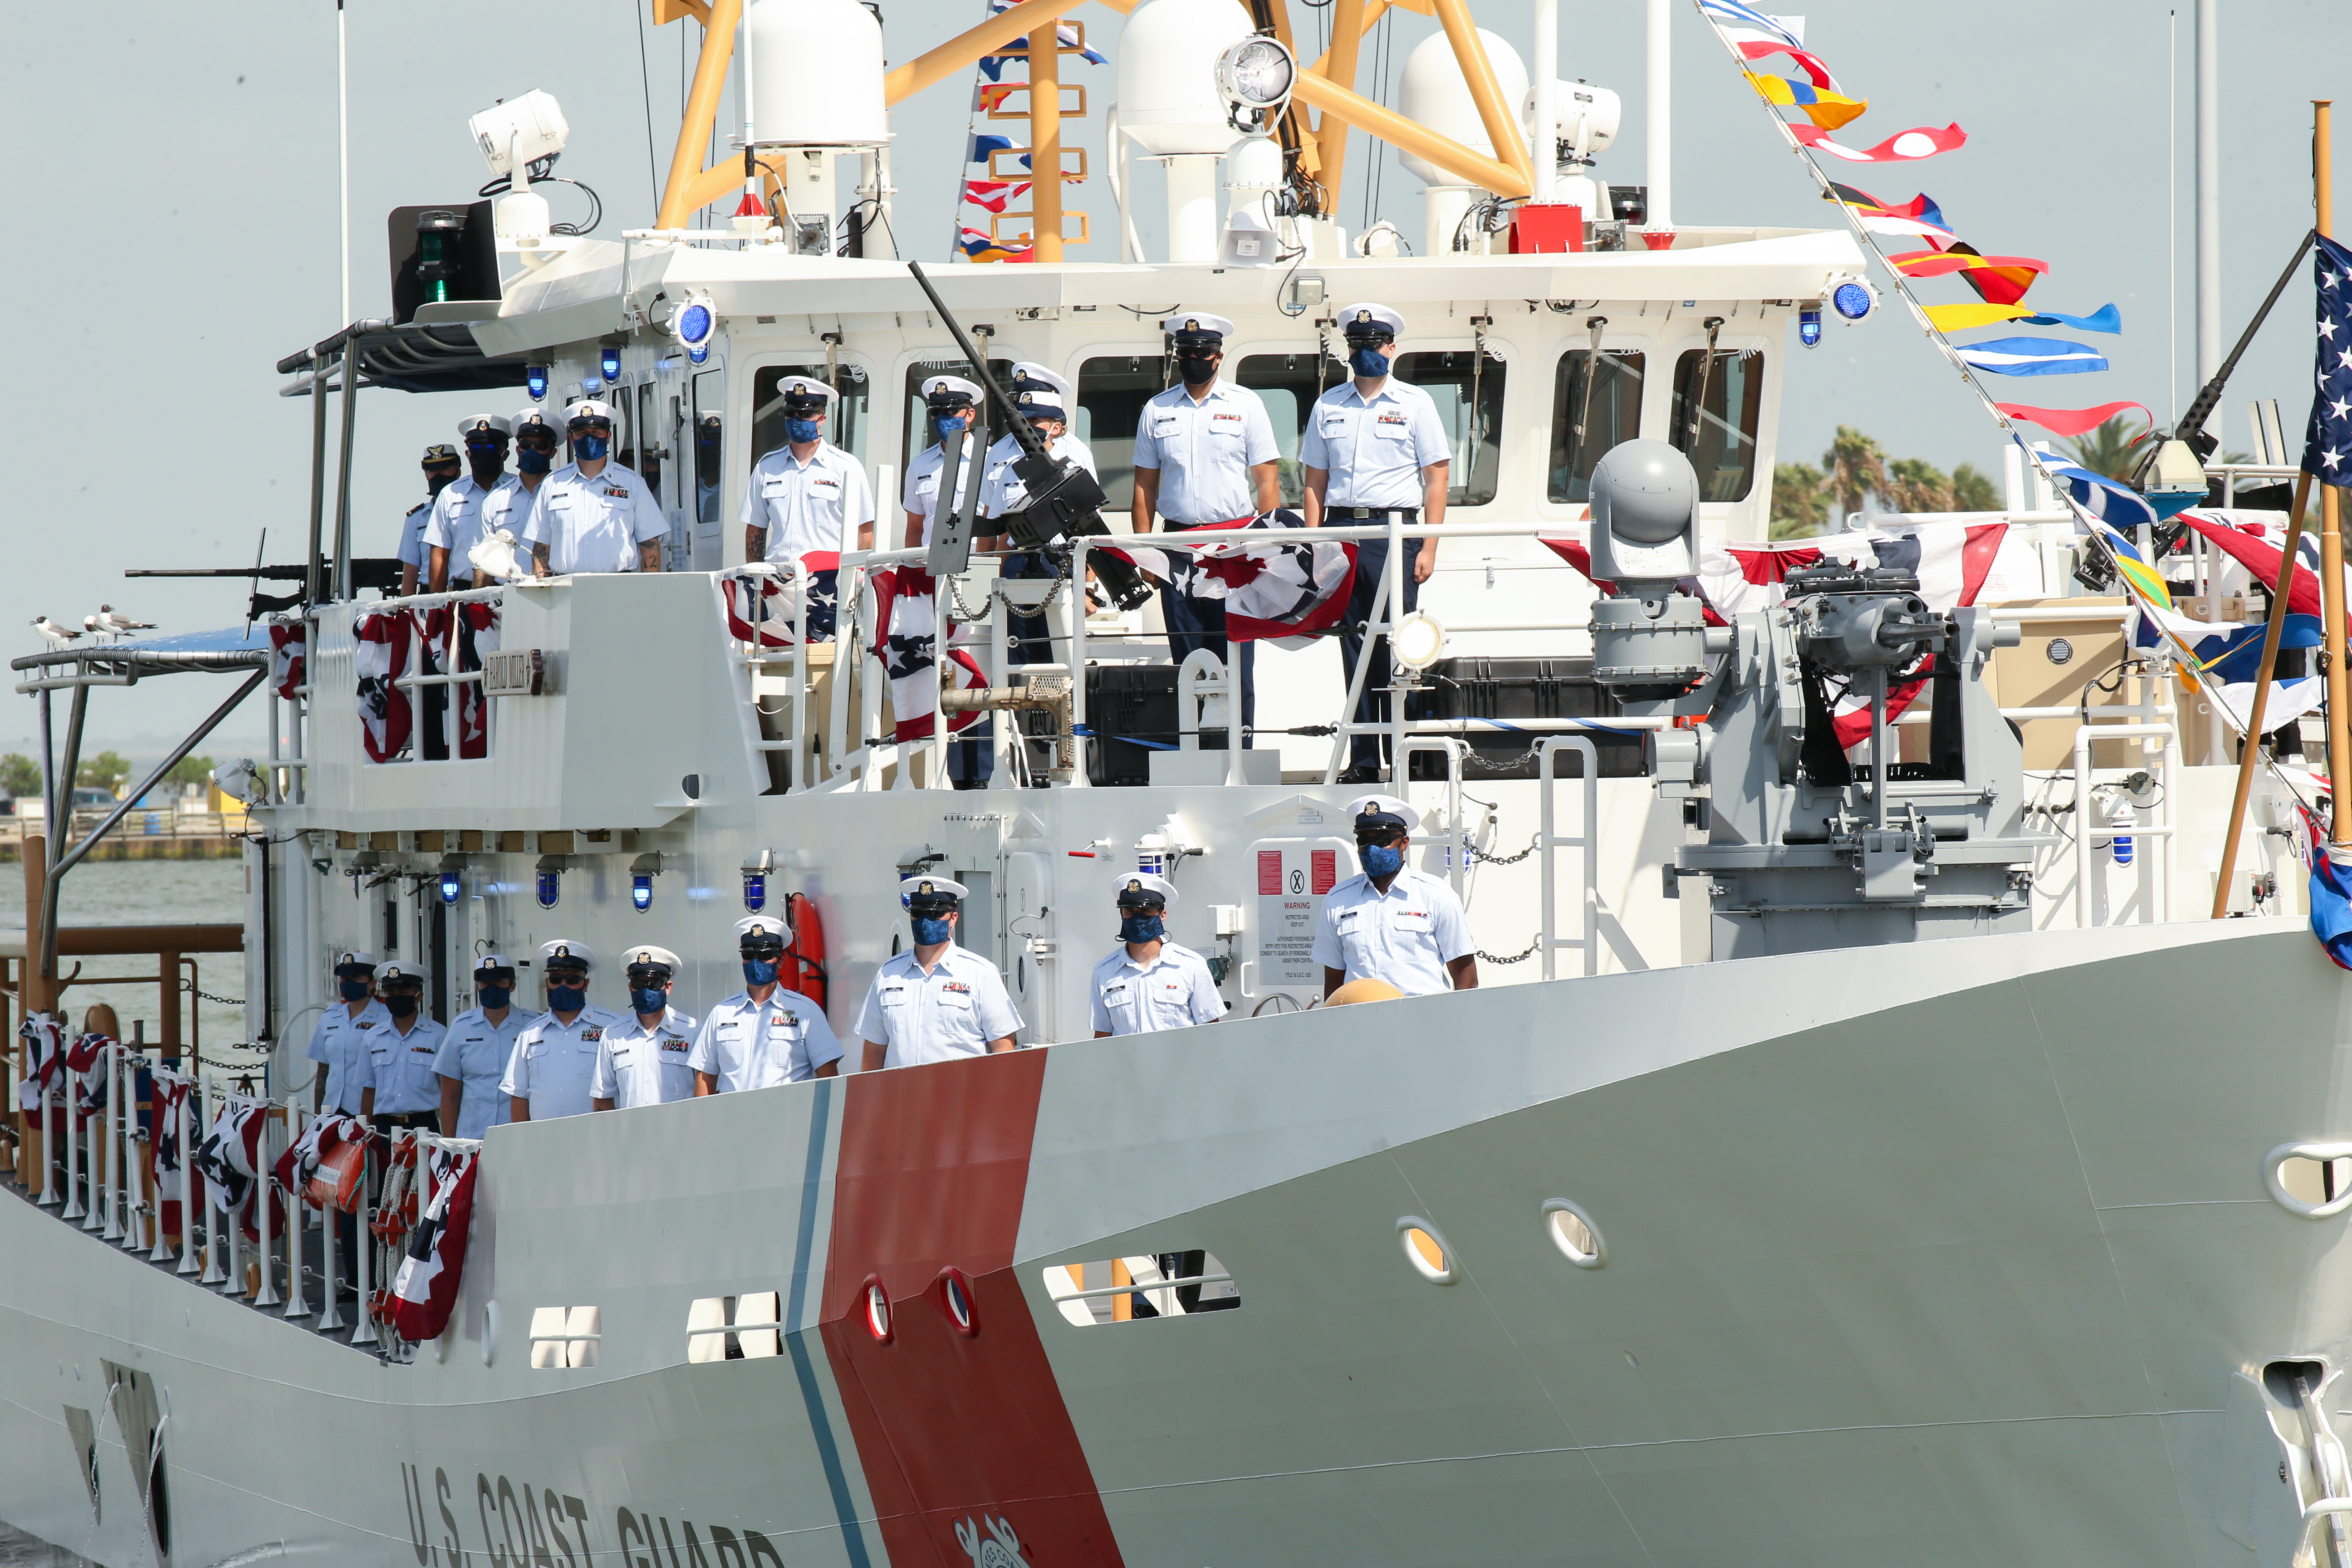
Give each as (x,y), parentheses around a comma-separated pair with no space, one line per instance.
(642,872)
(1808,325)
(535,378)
(755,881)
(1852,298)
(611,364)
(694,326)
(1256,77)
(551,881)
(452,879)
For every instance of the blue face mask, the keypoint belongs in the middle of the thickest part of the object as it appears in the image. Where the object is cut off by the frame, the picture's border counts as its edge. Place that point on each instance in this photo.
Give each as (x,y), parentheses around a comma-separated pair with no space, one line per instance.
(496,996)
(946,427)
(352,990)
(800,429)
(759,971)
(1380,860)
(1368,362)
(1142,928)
(588,449)
(567,998)
(930,930)
(530,462)
(647,1000)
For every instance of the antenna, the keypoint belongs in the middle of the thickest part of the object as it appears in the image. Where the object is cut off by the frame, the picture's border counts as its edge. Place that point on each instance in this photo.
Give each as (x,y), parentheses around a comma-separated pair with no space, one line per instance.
(253,584)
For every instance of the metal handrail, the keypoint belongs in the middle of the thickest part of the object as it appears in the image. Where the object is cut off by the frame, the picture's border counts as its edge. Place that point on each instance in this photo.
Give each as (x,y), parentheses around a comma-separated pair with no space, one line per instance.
(1589,842)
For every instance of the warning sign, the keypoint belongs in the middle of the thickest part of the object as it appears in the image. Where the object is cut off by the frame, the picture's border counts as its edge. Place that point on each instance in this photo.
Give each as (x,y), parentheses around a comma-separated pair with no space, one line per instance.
(1293,876)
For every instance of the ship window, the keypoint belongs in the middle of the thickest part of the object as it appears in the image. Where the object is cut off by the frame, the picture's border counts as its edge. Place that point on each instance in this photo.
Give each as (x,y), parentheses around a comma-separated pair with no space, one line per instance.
(1426,1250)
(845,425)
(1289,385)
(915,437)
(1473,432)
(1572,1231)
(709,448)
(732,1328)
(1112,392)
(1616,416)
(1132,1289)
(565,1337)
(1725,453)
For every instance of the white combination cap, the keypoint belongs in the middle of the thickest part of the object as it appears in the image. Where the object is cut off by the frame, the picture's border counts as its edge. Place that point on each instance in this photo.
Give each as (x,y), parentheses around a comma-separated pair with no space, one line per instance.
(759,927)
(1142,887)
(804,386)
(927,886)
(533,418)
(942,387)
(660,955)
(1198,322)
(351,956)
(1355,317)
(475,424)
(590,408)
(564,950)
(1382,811)
(491,963)
(395,969)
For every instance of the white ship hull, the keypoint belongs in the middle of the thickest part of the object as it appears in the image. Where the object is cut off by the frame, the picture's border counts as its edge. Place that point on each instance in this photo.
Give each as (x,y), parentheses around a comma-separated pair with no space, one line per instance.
(1951,1254)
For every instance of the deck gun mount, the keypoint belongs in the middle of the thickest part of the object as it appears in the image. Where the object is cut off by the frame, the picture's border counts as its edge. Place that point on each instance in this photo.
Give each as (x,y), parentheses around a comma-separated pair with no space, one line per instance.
(1804,849)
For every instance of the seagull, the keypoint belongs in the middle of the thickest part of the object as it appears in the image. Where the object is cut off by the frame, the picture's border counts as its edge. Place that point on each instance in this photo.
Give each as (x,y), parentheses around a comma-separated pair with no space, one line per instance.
(121,625)
(57,635)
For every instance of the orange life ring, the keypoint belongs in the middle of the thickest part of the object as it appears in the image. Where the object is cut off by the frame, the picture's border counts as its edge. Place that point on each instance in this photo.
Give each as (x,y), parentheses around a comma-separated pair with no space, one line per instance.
(806,953)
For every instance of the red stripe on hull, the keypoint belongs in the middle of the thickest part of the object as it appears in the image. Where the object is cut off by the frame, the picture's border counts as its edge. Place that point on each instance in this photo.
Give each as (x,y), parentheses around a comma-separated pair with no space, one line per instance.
(951,1429)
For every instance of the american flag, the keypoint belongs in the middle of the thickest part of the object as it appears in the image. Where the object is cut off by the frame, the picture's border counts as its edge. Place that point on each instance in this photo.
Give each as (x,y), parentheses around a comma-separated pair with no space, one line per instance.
(2327,444)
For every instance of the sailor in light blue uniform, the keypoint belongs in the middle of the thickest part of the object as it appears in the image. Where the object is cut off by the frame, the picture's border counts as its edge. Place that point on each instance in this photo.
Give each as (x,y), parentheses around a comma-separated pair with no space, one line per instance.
(1375,447)
(937,1001)
(473,1053)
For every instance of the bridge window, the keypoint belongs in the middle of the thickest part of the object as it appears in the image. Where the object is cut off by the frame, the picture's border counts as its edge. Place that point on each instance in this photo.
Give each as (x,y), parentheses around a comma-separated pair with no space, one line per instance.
(1112,392)
(1613,414)
(1725,451)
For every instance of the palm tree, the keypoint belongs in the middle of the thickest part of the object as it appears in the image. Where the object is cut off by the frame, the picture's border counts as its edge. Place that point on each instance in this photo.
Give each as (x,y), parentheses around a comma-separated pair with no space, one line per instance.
(1972,489)
(1801,508)
(1856,469)
(1913,484)
(2109,450)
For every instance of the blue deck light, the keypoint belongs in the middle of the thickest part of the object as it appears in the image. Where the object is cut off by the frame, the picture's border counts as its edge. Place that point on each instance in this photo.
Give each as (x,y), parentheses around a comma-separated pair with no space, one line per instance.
(611,366)
(535,378)
(755,891)
(451,886)
(550,887)
(1808,325)
(1853,299)
(641,892)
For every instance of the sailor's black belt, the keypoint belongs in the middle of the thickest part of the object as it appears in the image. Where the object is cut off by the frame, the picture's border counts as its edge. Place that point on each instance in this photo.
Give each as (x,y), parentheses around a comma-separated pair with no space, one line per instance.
(1373,514)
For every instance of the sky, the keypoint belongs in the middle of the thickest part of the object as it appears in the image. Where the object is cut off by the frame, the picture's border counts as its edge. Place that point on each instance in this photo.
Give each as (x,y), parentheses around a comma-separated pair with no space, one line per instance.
(184,235)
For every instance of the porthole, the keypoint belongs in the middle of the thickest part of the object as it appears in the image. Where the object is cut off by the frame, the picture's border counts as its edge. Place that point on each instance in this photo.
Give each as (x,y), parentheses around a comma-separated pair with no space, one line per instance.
(878,1309)
(955,1301)
(1426,1250)
(2313,1180)
(1572,1231)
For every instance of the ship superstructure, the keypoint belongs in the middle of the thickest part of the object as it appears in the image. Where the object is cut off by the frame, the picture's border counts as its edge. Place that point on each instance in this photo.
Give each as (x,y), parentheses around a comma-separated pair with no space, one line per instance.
(1854,1146)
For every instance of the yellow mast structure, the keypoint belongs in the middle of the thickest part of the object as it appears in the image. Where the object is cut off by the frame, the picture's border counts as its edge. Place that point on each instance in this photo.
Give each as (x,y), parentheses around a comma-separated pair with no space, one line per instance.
(1327,86)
